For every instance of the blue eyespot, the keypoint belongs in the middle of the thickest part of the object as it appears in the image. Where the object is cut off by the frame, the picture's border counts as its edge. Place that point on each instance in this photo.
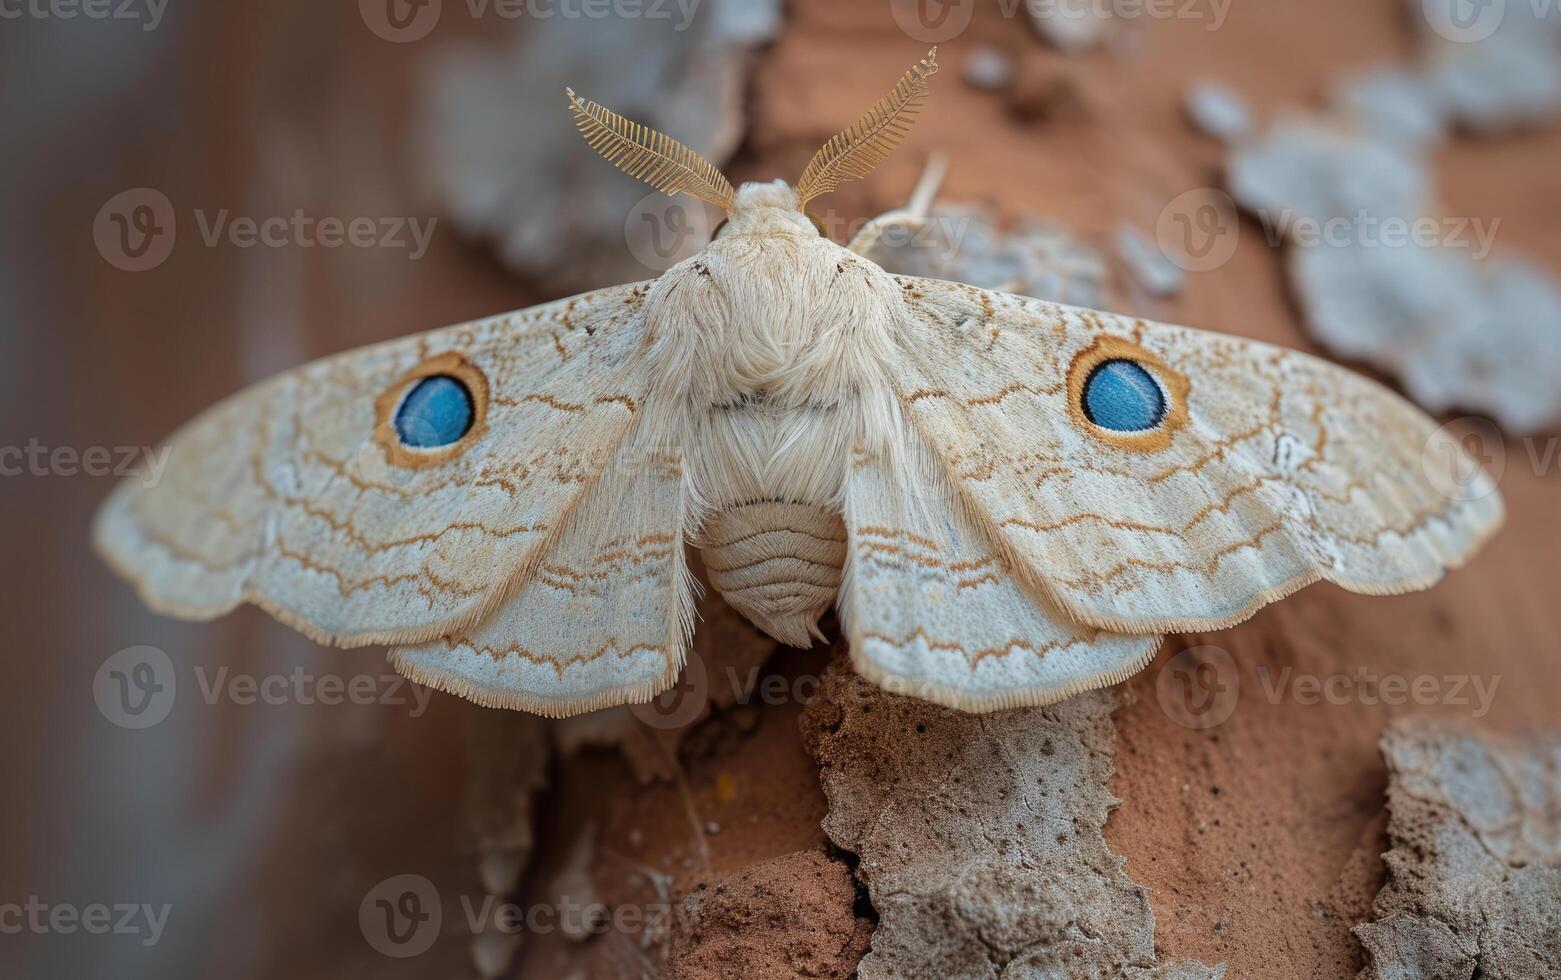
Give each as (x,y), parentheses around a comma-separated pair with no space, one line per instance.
(437,412)
(1121,396)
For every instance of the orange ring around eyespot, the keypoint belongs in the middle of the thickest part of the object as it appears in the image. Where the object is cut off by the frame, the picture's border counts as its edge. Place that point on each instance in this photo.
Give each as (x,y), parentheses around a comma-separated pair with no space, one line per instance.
(1173,384)
(455,365)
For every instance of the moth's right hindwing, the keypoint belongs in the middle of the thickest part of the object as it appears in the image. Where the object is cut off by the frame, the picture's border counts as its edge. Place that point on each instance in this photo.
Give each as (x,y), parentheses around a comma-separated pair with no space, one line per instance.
(932,608)
(294,495)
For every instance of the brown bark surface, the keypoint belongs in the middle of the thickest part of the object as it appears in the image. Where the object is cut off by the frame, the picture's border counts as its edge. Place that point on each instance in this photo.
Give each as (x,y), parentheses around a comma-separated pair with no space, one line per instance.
(1258,838)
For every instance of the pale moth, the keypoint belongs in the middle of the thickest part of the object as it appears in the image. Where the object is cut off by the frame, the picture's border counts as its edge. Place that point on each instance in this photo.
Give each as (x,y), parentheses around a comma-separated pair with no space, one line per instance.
(1008,501)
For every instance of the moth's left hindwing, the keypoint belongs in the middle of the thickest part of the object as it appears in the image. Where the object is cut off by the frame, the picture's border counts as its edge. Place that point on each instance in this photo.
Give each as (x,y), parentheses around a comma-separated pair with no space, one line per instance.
(1264,470)
(299,496)
(607,616)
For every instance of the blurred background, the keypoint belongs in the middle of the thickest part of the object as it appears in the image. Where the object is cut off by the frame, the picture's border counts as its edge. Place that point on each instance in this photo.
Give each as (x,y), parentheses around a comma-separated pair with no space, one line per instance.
(196,196)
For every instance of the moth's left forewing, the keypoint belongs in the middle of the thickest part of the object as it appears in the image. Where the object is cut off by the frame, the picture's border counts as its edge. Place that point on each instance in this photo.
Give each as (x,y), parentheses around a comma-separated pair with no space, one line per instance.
(191,537)
(1271,469)
(296,496)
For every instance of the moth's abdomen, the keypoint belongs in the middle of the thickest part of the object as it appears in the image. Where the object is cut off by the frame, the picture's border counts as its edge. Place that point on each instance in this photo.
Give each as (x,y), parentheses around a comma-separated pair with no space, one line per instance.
(777,563)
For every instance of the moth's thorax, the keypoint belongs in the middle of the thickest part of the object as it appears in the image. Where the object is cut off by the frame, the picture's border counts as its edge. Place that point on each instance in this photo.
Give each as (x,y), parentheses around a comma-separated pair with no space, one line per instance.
(779,341)
(788,316)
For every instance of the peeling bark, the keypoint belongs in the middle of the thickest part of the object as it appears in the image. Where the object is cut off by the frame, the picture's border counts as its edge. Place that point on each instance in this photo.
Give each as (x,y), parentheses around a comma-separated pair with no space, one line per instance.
(1474,873)
(980,836)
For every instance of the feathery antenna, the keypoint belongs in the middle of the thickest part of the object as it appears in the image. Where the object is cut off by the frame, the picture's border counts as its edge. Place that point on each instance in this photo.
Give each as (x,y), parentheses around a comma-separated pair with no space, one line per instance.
(857,151)
(656,158)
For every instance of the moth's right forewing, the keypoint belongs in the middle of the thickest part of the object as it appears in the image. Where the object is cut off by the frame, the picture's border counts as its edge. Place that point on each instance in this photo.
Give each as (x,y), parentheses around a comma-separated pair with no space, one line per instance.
(289,495)
(1266,469)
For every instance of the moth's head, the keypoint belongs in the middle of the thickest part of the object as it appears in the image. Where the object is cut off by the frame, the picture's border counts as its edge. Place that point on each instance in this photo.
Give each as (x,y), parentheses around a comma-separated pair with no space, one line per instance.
(759,208)
(768,209)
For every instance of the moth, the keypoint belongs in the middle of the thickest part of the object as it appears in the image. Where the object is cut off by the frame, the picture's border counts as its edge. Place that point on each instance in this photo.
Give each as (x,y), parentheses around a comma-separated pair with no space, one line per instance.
(1008,501)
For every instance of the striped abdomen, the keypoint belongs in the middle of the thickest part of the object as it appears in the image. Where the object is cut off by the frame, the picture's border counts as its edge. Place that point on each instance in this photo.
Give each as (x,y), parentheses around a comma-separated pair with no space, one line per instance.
(779,564)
